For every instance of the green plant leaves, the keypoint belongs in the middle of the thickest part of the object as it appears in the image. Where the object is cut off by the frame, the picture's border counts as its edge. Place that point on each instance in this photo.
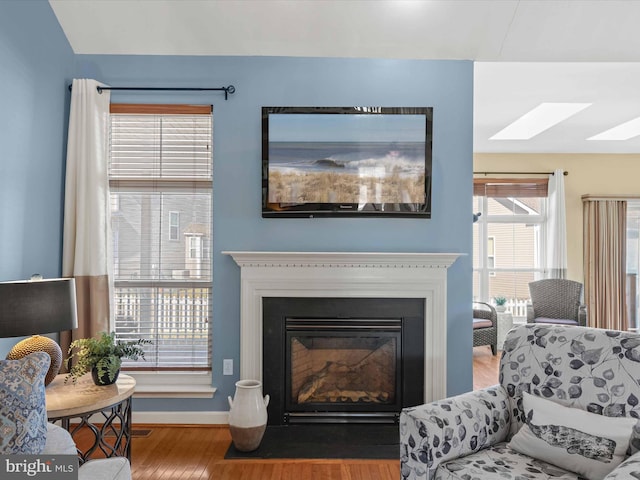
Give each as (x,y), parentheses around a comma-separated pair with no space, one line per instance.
(103,352)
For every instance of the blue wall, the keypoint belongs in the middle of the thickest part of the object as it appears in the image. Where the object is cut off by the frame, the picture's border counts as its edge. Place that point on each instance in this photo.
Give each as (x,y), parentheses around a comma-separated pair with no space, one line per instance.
(445,85)
(36,66)
(35,102)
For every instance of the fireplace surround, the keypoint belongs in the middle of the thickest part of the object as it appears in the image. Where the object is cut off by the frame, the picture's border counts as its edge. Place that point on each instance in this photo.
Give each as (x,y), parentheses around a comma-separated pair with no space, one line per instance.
(346,275)
(342,360)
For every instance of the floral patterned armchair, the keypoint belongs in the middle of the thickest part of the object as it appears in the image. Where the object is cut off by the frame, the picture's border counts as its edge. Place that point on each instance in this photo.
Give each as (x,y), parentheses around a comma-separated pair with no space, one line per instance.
(467,436)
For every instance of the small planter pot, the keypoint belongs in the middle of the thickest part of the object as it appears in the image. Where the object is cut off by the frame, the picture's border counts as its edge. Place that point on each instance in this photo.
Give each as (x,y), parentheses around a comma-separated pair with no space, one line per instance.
(104,379)
(248,415)
(501,308)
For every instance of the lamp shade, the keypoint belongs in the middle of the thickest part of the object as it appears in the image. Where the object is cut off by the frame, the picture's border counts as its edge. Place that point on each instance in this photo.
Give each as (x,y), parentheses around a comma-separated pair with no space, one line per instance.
(38,306)
(41,306)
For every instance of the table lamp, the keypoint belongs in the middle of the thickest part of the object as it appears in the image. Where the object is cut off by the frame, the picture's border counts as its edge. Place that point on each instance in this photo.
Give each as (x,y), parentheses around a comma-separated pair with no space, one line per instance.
(35,306)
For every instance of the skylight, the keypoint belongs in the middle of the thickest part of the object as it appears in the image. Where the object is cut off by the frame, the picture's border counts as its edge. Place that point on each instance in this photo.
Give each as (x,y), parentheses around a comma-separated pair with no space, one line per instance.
(624,131)
(536,121)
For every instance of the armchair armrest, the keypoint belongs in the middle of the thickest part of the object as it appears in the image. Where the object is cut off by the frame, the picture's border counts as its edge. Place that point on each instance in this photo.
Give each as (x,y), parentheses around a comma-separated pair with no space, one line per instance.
(530,315)
(485,311)
(582,315)
(630,468)
(436,432)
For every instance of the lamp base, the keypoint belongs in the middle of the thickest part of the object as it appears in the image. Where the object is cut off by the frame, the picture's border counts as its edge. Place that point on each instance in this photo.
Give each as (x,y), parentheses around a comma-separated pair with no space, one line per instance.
(39,343)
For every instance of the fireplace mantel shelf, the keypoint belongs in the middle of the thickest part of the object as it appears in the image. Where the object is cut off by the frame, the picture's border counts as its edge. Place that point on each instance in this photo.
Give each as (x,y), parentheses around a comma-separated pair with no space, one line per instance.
(346,275)
(343,259)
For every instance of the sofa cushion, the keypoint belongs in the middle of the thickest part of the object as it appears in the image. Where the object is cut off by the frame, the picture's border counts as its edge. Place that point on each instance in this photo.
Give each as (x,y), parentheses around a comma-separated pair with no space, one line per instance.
(587,443)
(482,323)
(556,321)
(500,461)
(23,412)
(116,468)
(59,441)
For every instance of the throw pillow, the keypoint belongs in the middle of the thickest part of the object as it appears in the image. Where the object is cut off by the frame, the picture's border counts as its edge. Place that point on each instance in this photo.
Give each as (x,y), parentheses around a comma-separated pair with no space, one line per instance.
(23,411)
(586,443)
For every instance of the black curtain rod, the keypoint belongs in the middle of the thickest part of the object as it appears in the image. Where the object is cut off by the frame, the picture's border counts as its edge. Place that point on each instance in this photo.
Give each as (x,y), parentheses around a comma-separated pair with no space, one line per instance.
(518,173)
(227,90)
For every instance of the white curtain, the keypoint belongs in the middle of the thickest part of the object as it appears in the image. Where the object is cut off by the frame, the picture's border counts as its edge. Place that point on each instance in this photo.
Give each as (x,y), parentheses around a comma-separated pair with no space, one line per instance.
(556,254)
(86,244)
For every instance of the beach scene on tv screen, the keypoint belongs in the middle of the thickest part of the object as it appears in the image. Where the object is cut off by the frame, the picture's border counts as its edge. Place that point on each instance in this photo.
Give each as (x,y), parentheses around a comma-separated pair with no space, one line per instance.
(346,158)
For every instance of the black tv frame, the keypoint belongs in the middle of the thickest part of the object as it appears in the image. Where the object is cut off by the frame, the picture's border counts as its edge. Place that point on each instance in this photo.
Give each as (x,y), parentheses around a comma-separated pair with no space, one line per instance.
(310,210)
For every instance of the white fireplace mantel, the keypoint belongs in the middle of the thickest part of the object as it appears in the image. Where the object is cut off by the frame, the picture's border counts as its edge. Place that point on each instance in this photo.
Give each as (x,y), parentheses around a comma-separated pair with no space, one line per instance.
(346,275)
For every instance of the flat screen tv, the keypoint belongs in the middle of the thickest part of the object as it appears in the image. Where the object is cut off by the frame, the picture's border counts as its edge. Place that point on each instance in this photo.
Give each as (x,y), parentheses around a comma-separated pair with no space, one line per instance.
(346,161)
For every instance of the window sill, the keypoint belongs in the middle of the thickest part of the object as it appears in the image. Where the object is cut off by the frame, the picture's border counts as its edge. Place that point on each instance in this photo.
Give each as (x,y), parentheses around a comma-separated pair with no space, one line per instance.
(172,391)
(173,384)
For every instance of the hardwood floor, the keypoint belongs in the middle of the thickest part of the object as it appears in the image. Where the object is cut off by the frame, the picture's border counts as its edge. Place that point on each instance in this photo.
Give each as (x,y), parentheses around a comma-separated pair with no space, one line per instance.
(485,367)
(197,452)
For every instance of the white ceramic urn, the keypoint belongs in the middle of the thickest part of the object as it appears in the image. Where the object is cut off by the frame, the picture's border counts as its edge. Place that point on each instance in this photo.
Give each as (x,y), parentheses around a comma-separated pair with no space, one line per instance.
(248,415)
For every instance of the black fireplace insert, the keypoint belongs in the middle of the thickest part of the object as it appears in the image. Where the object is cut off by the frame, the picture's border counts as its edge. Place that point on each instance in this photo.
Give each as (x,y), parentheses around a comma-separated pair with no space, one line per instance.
(329,360)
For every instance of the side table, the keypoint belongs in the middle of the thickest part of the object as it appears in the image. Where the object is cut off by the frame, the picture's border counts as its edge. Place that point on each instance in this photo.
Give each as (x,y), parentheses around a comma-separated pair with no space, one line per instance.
(82,400)
(505,323)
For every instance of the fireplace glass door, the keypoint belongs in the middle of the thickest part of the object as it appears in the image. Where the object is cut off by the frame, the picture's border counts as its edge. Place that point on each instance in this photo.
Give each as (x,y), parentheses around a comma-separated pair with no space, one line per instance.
(338,365)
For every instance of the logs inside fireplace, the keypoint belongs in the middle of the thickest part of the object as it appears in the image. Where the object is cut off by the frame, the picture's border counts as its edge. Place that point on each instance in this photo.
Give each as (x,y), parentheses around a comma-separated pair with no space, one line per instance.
(342,360)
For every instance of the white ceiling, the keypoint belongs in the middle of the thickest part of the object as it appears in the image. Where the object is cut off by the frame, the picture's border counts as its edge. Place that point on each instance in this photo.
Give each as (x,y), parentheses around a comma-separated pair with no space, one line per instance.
(526,52)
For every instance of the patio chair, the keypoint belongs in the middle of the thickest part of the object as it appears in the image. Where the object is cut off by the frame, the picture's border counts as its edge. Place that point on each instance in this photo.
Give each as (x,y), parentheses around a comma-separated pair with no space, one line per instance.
(485,326)
(556,301)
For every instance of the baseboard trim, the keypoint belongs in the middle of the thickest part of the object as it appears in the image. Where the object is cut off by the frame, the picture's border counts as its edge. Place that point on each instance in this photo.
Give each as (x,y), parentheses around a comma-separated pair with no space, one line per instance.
(184,418)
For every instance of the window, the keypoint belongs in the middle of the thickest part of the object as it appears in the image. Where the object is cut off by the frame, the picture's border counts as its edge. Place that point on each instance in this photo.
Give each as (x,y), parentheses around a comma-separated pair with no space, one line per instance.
(633,263)
(491,255)
(508,239)
(160,171)
(174,225)
(194,248)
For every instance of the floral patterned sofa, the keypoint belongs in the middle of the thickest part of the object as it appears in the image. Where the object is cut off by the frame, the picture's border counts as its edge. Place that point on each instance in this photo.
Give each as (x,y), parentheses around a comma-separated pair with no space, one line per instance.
(468,436)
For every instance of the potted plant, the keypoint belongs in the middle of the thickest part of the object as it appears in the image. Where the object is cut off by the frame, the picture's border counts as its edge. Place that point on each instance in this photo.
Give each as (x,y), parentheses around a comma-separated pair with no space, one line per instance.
(102,356)
(500,303)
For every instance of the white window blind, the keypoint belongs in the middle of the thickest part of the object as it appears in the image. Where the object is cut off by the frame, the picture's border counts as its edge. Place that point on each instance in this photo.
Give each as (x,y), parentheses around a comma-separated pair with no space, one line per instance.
(160,176)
